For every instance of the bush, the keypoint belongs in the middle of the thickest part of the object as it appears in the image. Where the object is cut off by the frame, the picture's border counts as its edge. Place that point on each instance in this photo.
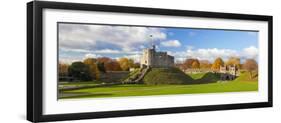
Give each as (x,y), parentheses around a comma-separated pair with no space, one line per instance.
(80,71)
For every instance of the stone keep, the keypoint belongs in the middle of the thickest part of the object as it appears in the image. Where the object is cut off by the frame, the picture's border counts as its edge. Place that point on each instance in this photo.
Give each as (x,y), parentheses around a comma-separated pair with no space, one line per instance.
(151,58)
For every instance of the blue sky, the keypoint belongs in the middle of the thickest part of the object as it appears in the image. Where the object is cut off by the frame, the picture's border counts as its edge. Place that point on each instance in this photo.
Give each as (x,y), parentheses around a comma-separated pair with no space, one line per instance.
(78,41)
(207,38)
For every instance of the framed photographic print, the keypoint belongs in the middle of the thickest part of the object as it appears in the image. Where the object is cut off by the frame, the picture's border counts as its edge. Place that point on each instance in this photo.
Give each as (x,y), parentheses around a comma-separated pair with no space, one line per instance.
(95,61)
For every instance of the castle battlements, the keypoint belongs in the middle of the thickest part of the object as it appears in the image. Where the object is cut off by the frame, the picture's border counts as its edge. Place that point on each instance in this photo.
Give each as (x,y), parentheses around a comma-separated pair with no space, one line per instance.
(152,58)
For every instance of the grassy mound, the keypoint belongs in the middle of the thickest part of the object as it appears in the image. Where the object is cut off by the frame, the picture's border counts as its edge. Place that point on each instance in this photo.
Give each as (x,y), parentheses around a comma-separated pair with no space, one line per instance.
(210,77)
(201,78)
(158,76)
(196,76)
(245,76)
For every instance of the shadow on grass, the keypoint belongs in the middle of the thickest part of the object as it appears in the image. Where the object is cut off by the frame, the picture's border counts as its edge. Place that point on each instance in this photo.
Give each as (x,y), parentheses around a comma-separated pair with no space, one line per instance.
(70,95)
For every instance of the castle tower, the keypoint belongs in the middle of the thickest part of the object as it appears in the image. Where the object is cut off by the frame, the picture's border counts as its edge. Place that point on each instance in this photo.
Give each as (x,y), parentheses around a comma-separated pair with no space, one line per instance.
(151,58)
(147,57)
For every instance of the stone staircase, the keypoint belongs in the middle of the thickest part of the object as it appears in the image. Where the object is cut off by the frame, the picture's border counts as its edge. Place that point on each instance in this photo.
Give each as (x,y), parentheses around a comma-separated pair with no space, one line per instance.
(142,74)
(139,77)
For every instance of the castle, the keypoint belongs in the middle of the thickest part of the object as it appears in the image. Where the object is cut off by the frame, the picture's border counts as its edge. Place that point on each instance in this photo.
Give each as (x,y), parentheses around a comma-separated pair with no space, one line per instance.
(151,58)
(229,72)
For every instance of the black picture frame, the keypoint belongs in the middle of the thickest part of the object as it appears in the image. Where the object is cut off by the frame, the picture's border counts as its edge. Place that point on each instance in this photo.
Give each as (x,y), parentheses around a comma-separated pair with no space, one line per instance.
(35,69)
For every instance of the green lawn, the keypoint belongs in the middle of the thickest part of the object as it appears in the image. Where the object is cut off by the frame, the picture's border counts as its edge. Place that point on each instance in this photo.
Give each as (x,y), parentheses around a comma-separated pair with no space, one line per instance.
(144,90)
(196,75)
(160,81)
(78,84)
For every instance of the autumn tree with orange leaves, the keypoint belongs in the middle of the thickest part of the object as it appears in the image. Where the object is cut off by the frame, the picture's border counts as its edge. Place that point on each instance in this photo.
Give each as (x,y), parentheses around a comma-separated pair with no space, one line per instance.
(217,63)
(93,68)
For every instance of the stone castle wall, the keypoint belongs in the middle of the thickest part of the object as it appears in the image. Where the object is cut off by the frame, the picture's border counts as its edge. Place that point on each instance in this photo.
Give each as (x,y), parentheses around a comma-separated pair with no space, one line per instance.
(113,76)
(229,72)
(156,59)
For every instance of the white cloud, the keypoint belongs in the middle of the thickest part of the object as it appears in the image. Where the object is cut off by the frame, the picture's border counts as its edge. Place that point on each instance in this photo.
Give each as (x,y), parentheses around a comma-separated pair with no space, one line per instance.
(69,60)
(212,53)
(75,50)
(171,43)
(110,51)
(91,55)
(107,51)
(91,37)
(135,57)
(250,52)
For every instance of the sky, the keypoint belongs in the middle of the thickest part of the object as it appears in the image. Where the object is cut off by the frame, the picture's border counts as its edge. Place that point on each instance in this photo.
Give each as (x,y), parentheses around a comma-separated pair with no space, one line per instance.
(80,41)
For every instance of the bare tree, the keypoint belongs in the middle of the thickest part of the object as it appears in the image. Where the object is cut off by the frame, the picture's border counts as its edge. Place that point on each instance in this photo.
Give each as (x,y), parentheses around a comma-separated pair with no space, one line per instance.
(250,65)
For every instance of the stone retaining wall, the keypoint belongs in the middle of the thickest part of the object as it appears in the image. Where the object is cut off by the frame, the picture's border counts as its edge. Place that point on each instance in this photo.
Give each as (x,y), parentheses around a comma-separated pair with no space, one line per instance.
(113,76)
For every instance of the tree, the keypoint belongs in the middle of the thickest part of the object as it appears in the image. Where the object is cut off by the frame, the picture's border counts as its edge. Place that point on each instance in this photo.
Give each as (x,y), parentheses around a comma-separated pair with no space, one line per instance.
(217,63)
(101,67)
(195,64)
(126,63)
(187,63)
(112,65)
(103,59)
(250,65)
(63,69)
(234,61)
(205,64)
(93,68)
(131,63)
(108,64)
(79,71)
